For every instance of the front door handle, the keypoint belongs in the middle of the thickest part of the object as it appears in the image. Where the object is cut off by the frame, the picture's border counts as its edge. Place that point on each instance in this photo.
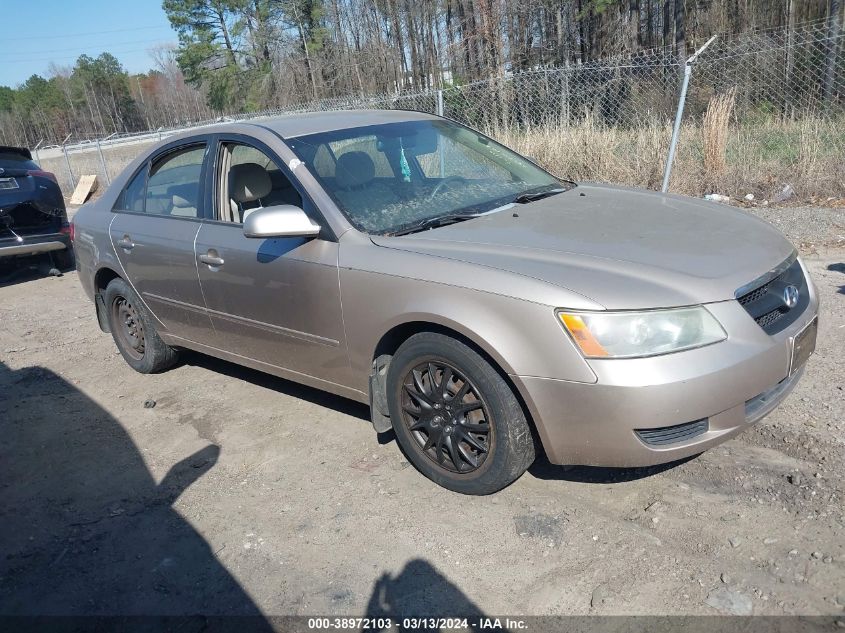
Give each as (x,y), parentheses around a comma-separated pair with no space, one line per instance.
(211,259)
(126,243)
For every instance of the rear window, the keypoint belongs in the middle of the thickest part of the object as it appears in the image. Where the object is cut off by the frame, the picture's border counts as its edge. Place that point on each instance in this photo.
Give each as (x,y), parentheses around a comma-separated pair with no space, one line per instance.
(16,161)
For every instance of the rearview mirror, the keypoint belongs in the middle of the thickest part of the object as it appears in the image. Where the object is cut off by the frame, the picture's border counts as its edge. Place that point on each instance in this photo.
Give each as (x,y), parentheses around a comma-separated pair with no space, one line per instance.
(284,220)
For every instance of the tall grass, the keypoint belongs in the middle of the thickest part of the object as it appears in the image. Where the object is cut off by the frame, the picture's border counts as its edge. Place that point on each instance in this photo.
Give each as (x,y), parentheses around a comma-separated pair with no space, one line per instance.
(713,155)
(714,135)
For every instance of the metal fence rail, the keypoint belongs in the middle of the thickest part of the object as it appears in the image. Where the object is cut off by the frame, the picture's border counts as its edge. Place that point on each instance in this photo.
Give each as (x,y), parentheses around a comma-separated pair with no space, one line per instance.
(779,78)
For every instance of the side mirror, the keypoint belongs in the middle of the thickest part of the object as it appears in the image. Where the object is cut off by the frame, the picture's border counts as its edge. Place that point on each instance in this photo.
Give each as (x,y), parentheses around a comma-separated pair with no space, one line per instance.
(284,220)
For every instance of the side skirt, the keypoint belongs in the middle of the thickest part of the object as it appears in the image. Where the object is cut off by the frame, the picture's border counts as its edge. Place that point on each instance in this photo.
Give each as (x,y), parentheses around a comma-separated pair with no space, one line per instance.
(275,370)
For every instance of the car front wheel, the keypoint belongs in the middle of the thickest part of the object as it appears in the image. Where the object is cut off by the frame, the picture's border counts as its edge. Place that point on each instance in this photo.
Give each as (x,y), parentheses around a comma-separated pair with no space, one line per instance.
(455,417)
(134,331)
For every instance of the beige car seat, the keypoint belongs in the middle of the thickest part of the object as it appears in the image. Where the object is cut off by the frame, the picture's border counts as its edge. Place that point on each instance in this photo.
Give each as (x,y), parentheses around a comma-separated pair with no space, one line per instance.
(357,188)
(248,184)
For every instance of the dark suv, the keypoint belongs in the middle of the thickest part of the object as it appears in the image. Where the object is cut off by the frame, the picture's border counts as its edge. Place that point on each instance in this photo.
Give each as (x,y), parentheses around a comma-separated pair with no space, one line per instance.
(33,218)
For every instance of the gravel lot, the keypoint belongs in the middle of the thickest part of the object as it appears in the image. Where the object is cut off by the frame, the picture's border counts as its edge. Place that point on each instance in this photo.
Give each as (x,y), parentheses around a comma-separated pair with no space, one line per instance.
(810,228)
(241,493)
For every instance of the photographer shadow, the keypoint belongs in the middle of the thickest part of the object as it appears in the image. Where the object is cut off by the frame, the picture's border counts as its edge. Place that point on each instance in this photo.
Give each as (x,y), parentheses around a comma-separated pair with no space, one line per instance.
(86,529)
(420,591)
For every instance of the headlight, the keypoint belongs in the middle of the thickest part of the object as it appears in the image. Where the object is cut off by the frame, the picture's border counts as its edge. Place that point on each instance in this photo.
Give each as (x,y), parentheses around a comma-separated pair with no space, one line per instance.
(637,334)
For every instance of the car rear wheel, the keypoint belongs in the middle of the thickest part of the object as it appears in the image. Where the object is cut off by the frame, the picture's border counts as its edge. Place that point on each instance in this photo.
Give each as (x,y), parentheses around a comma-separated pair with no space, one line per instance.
(134,331)
(455,417)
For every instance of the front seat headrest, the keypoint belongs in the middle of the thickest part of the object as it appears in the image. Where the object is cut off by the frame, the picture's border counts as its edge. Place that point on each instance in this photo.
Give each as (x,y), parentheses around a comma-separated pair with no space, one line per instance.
(248,182)
(354,169)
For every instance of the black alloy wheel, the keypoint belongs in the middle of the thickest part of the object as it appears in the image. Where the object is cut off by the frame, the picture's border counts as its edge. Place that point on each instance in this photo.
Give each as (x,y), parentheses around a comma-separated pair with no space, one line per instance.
(455,416)
(447,416)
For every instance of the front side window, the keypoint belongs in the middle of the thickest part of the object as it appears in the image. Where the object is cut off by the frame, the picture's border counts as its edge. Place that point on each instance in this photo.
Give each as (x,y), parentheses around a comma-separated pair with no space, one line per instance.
(388,177)
(248,179)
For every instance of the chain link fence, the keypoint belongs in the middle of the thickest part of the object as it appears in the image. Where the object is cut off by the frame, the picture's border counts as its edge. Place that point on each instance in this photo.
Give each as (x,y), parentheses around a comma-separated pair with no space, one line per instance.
(783,92)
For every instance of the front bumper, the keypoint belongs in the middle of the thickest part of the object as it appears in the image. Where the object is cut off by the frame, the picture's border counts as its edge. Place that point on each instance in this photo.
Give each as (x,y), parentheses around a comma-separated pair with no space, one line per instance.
(729,385)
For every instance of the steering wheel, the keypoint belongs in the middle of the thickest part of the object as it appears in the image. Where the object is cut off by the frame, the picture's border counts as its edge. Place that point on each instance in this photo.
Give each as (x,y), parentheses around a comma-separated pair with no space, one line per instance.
(446,182)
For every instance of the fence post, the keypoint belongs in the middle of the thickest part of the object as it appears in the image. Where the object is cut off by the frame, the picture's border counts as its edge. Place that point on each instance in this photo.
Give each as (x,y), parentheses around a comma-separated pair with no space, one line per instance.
(69,170)
(440,109)
(103,162)
(566,112)
(676,130)
(35,149)
(67,164)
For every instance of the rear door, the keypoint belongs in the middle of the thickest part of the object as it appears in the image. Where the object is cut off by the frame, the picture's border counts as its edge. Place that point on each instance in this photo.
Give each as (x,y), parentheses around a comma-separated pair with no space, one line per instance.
(156,220)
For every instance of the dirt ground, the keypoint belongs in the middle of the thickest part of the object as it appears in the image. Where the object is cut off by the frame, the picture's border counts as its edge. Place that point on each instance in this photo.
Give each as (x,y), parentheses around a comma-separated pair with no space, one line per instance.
(240,493)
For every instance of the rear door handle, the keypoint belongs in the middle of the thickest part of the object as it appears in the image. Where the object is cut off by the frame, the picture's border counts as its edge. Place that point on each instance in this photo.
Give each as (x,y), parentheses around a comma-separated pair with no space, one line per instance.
(126,243)
(211,259)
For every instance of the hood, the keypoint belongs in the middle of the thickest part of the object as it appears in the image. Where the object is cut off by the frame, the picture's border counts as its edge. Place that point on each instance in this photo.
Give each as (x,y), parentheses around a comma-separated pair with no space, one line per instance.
(622,248)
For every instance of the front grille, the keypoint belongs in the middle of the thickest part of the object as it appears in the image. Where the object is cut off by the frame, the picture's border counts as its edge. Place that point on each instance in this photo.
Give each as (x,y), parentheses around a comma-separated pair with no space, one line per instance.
(672,434)
(754,295)
(770,318)
(765,302)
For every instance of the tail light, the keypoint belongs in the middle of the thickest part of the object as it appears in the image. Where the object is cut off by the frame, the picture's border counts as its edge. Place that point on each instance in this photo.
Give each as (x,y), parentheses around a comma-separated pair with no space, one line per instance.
(69,230)
(43,174)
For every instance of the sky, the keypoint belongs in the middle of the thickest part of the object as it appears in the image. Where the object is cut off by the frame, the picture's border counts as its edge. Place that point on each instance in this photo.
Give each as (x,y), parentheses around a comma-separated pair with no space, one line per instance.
(35,33)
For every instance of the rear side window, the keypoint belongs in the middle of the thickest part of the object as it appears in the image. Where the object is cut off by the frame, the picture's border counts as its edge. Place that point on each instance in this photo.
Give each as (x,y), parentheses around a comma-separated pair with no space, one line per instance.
(173,187)
(169,186)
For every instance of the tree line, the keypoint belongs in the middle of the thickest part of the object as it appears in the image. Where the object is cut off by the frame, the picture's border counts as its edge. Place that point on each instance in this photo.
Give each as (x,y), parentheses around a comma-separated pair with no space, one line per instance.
(248,55)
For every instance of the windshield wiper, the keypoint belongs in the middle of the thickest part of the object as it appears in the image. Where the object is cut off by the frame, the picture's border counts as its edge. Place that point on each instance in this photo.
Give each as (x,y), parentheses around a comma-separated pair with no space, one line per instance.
(531,196)
(436,221)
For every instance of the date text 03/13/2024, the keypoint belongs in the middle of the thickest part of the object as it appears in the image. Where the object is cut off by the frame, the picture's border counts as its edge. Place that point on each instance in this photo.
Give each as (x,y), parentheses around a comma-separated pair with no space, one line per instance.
(387,623)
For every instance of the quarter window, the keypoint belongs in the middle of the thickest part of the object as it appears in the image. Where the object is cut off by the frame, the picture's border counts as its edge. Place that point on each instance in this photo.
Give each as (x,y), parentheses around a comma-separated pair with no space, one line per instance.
(132,198)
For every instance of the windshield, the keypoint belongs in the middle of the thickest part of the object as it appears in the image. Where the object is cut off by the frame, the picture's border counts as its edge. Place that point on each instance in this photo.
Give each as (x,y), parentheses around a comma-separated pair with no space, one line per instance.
(388,177)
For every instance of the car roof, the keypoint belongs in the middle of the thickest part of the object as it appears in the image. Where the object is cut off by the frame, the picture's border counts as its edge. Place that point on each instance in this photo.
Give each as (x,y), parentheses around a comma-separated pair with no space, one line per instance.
(302,124)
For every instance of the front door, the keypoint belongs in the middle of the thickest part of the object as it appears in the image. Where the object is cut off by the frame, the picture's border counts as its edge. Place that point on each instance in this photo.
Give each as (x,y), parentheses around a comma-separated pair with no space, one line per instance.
(277,300)
(155,223)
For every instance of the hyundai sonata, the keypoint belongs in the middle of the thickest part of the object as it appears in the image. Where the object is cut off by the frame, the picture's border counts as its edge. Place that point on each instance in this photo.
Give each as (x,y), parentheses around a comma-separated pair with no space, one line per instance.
(484,308)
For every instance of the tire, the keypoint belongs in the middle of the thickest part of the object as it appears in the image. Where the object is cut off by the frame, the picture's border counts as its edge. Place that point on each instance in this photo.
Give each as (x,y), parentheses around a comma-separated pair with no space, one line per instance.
(469,435)
(134,331)
(64,260)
